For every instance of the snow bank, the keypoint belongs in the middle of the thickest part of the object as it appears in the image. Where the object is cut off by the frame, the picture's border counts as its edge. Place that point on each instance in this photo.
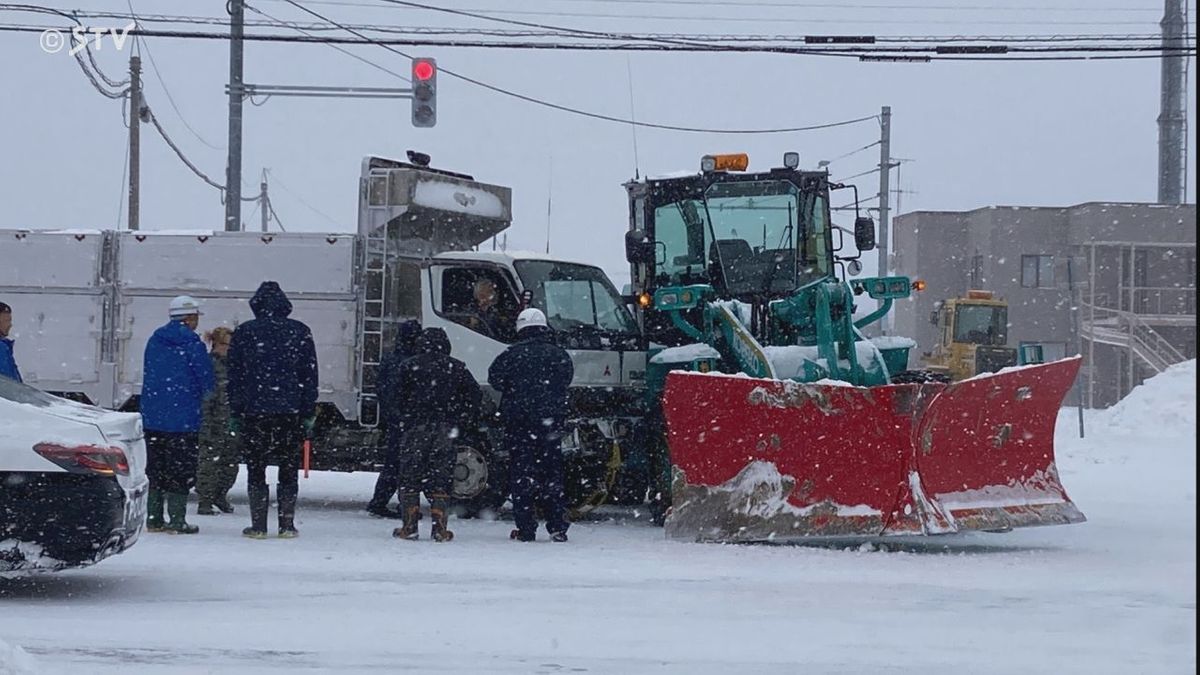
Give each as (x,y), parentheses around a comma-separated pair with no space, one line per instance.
(15,661)
(1164,405)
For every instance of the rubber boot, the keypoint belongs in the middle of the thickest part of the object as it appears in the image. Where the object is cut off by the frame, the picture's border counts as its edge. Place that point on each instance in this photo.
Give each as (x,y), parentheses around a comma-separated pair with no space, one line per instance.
(440,517)
(410,507)
(177,510)
(205,507)
(260,501)
(222,504)
(287,510)
(154,511)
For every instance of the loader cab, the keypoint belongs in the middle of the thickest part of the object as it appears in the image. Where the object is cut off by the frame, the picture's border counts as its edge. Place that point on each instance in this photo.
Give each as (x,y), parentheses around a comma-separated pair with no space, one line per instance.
(752,237)
(972,336)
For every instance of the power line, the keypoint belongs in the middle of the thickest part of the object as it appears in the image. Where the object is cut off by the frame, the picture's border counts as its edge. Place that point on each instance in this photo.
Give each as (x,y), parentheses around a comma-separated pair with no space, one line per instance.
(580,112)
(179,153)
(310,207)
(561,32)
(166,90)
(347,52)
(993,52)
(724,19)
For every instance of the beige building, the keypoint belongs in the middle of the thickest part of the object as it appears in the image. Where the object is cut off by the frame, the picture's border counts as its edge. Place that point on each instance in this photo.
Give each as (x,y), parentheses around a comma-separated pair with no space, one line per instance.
(1113,281)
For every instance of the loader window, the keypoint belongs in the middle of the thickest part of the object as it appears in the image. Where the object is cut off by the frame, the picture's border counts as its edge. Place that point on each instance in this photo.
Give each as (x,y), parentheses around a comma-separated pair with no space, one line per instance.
(981,324)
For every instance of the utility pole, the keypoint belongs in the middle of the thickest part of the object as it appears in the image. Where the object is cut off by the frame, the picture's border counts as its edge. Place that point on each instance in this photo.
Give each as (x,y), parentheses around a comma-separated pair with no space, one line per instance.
(264,203)
(1172,115)
(135,140)
(885,169)
(233,169)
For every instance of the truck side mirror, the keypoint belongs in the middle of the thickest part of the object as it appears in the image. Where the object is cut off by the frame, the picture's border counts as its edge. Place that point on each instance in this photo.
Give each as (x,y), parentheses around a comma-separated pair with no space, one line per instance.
(639,248)
(933,317)
(864,233)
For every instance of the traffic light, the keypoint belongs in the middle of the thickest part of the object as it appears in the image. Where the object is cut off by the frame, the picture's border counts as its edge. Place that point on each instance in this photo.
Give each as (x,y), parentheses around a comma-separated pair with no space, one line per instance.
(424,92)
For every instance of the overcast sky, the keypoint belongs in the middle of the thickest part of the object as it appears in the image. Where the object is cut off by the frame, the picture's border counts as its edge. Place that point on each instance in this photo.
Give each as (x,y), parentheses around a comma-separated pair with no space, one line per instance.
(974,133)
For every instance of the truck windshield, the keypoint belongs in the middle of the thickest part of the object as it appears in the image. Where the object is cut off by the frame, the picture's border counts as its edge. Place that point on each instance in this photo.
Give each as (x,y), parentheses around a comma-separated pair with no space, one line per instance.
(981,324)
(575,296)
(745,237)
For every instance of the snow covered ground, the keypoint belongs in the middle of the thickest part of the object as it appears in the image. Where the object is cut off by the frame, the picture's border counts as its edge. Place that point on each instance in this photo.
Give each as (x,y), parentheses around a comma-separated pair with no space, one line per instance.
(1114,595)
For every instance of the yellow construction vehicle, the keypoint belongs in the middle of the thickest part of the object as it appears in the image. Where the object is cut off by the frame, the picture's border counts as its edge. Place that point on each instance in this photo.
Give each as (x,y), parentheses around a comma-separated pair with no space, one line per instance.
(972,336)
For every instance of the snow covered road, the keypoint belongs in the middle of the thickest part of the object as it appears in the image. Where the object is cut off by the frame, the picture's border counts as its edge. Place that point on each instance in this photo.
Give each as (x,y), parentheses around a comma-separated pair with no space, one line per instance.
(1114,595)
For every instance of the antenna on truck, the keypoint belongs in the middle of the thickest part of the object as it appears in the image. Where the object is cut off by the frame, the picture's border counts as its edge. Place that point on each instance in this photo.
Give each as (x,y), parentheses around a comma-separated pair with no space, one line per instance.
(632,117)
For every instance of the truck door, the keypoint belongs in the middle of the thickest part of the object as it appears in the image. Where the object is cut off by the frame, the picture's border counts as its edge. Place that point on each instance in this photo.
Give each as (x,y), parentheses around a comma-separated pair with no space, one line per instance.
(477,305)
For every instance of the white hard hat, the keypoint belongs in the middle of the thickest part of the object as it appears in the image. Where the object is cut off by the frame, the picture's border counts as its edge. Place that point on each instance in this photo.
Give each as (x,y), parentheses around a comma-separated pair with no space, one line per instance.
(530,317)
(184,305)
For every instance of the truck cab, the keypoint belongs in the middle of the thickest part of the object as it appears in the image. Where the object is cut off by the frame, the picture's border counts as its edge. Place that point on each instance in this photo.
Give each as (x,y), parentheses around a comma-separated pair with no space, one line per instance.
(972,336)
(430,253)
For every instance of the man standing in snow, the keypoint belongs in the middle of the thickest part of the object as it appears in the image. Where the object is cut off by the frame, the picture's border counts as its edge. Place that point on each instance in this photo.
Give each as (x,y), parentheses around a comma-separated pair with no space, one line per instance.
(8,363)
(176,376)
(387,392)
(533,376)
(438,402)
(272,395)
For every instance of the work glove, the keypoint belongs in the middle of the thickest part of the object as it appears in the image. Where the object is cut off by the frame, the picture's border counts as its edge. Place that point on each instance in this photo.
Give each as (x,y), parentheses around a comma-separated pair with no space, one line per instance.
(235,425)
(309,423)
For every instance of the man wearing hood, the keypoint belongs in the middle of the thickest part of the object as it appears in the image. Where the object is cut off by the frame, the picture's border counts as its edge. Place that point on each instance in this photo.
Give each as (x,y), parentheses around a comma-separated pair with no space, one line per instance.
(387,392)
(438,401)
(272,395)
(176,376)
(533,377)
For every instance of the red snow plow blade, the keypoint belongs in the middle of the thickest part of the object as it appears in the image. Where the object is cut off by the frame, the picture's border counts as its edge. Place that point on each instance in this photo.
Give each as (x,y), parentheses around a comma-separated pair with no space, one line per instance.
(769,460)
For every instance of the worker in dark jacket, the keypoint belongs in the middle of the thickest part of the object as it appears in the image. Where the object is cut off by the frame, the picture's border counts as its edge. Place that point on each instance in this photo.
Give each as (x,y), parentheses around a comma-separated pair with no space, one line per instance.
(176,377)
(219,451)
(438,402)
(386,390)
(8,363)
(273,401)
(532,377)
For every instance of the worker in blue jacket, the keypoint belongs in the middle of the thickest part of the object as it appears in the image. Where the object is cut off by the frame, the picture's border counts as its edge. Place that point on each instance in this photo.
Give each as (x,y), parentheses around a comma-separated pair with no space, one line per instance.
(8,363)
(177,375)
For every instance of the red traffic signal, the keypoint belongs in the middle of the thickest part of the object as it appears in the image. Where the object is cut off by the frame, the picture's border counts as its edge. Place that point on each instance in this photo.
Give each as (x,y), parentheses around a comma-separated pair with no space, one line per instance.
(424,92)
(423,70)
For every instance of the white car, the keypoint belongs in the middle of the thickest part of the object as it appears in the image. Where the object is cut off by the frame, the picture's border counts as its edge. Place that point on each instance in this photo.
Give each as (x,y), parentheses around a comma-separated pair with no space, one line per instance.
(73,481)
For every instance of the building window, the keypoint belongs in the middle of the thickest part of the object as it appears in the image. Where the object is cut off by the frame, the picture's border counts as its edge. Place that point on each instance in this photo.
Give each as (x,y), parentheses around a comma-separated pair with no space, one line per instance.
(1037,271)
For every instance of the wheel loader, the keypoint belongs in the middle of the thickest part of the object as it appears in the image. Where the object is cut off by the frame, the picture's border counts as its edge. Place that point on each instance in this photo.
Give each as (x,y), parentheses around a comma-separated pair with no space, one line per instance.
(972,337)
(781,421)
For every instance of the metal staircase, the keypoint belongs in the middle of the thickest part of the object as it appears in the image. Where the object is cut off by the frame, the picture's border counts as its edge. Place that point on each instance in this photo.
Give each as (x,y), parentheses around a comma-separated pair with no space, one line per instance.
(1126,329)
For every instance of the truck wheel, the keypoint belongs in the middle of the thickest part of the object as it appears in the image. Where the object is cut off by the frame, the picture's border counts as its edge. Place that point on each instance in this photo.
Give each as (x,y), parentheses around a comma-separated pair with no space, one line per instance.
(480,483)
(920,377)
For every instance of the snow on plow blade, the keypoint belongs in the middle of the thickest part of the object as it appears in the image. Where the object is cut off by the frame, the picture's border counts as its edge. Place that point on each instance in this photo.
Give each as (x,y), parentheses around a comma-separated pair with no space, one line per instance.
(769,460)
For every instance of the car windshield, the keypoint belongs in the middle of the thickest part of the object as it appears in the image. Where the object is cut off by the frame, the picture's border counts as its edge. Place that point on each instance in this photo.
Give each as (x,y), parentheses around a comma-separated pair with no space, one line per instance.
(14,391)
(575,296)
(981,324)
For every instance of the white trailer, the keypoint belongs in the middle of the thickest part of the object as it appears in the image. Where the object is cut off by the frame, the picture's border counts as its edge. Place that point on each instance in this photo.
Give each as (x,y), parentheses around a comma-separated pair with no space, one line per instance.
(85,303)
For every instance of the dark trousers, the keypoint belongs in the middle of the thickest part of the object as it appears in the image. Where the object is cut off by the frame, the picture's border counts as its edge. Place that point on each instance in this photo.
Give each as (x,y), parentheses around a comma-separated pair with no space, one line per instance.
(272,439)
(388,482)
(425,461)
(171,460)
(536,475)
